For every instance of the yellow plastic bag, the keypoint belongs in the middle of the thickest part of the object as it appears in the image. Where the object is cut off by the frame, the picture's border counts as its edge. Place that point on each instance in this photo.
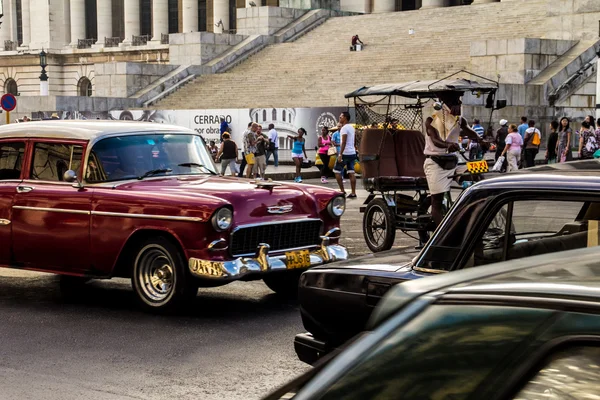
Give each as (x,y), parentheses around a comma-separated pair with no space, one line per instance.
(250,159)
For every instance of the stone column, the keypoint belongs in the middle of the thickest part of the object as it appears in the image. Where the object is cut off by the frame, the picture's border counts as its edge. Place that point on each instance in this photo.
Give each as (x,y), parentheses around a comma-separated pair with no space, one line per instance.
(26,23)
(77,21)
(104,17)
(221,13)
(5,29)
(433,4)
(381,6)
(132,20)
(160,19)
(190,16)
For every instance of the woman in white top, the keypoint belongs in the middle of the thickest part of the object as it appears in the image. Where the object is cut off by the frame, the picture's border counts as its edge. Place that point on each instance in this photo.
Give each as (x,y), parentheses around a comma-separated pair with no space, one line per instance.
(514,143)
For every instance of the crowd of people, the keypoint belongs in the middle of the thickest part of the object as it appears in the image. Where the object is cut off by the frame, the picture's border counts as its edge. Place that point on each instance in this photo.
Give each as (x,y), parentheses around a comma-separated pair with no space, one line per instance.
(520,144)
(258,148)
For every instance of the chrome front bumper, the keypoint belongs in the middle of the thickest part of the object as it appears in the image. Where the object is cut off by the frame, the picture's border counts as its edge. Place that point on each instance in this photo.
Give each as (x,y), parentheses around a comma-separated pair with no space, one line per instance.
(262,262)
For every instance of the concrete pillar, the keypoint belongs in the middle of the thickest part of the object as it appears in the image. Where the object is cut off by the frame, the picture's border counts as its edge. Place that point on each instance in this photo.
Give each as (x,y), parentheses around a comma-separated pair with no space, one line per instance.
(132,20)
(381,6)
(160,19)
(11,13)
(26,23)
(433,4)
(190,16)
(104,17)
(5,30)
(77,21)
(221,13)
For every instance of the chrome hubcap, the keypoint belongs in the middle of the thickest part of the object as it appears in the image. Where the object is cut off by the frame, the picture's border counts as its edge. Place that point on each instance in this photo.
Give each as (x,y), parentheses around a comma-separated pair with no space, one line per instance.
(156,273)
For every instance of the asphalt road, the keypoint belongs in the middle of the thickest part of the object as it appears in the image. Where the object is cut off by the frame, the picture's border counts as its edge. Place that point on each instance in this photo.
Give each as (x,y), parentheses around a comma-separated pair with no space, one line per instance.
(235,342)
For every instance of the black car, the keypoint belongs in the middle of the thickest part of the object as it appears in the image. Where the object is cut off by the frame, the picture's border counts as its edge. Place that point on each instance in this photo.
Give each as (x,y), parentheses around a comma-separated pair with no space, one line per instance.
(525,329)
(537,211)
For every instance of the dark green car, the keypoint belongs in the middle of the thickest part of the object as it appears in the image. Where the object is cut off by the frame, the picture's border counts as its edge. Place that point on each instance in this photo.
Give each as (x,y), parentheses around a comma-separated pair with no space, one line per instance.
(524,329)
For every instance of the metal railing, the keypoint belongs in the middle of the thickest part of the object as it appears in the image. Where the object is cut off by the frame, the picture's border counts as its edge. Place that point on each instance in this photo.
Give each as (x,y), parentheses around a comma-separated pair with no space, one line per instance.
(85,43)
(112,41)
(164,38)
(9,45)
(141,40)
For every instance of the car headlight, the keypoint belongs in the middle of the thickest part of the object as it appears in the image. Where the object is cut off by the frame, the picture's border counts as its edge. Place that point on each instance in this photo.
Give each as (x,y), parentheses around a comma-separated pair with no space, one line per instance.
(337,206)
(222,219)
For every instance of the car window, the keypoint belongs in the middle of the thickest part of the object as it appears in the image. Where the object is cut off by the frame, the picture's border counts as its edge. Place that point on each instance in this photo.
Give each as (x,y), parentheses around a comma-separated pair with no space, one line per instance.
(132,156)
(11,160)
(444,353)
(538,227)
(572,374)
(52,160)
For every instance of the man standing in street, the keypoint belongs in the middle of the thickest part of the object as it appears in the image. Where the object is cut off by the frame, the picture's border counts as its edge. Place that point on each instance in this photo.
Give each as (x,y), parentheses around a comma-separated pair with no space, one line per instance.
(475,151)
(533,138)
(500,140)
(243,164)
(523,127)
(260,161)
(273,147)
(346,156)
(441,143)
(250,149)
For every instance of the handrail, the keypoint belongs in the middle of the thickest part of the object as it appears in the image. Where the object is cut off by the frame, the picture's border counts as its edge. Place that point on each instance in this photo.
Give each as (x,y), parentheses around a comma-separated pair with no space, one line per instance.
(166,92)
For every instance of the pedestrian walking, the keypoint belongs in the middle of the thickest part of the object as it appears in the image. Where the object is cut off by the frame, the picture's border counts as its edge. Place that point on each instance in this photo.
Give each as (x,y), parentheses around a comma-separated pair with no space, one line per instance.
(273,145)
(532,141)
(298,152)
(563,150)
(523,127)
(250,149)
(346,156)
(243,163)
(512,149)
(588,141)
(501,135)
(552,143)
(228,154)
(590,120)
(326,150)
(260,159)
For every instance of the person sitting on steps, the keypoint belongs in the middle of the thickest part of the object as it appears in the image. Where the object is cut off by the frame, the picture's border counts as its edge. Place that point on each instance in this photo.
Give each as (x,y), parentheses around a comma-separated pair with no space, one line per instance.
(355,40)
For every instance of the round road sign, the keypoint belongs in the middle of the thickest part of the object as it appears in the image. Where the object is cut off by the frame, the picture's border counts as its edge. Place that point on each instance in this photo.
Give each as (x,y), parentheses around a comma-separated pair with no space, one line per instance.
(8,102)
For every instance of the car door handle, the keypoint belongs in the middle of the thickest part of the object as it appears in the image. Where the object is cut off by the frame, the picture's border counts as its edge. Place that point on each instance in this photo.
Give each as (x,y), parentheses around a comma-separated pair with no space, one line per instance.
(24,189)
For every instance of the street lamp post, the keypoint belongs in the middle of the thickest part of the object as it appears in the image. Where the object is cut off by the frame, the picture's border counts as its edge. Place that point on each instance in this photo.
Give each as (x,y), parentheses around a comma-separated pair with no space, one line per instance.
(43,76)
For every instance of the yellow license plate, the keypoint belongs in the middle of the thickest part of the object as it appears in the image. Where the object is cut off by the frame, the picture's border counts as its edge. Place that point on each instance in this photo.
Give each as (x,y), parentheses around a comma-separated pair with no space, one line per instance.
(297,259)
(477,167)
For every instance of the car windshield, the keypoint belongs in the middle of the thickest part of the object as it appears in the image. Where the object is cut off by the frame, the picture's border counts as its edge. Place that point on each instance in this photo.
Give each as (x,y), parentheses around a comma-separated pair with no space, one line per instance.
(139,156)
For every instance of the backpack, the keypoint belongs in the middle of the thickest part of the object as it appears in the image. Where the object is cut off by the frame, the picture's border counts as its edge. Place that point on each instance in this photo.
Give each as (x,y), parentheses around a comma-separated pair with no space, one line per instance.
(590,146)
(537,140)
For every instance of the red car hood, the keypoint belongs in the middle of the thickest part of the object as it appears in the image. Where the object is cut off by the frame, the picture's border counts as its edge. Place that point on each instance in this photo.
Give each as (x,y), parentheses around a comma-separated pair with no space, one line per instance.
(250,201)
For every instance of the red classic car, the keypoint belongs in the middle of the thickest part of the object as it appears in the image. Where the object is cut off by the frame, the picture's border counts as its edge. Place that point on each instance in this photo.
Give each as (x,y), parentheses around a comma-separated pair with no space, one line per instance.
(91,199)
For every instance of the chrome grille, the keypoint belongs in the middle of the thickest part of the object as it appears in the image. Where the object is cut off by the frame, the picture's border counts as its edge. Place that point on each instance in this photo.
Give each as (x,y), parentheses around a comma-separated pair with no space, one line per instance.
(280,236)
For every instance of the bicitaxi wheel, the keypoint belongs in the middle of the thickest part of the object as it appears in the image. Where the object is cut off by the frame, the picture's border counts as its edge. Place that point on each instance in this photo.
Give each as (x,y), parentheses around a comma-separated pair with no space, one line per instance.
(379,226)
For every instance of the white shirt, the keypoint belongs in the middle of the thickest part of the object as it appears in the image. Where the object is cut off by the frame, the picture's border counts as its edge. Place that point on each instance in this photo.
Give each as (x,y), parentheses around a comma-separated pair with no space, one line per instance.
(348,131)
(273,137)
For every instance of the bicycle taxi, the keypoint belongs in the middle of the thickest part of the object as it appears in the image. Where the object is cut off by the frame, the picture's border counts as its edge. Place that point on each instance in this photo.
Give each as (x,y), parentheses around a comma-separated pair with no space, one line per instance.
(391,154)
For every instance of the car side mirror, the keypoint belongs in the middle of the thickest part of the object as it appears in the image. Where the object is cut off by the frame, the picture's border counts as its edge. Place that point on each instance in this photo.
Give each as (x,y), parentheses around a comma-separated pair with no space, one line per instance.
(70,176)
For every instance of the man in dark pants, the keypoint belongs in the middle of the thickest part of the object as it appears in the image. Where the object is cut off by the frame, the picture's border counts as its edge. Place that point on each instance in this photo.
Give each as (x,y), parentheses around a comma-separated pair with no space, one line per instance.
(243,164)
(501,135)
(533,138)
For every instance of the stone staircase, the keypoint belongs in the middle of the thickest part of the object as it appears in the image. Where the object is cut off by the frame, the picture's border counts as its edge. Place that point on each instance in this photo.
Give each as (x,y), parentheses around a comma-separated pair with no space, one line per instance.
(318,68)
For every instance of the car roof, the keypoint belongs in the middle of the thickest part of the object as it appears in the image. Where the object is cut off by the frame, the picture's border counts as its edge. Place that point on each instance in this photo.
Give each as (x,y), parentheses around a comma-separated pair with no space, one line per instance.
(89,130)
(573,275)
(573,175)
